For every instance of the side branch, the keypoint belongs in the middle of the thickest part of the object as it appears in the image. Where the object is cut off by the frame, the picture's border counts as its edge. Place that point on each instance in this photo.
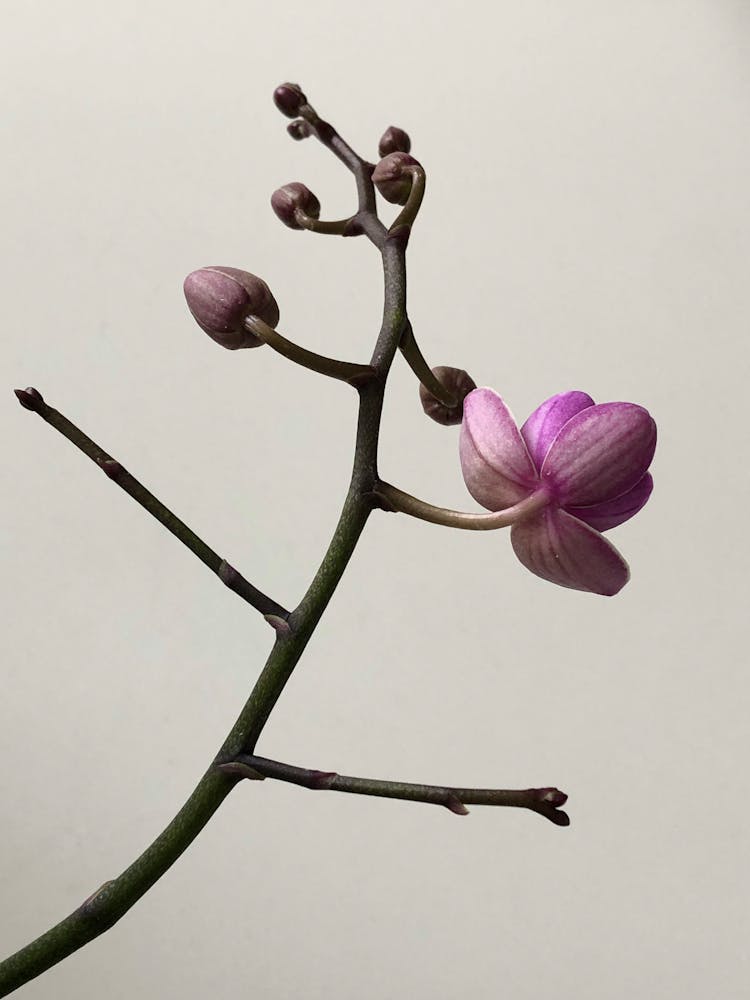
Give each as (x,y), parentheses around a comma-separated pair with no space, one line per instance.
(545,801)
(31,399)
(366,220)
(345,371)
(393,499)
(412,354)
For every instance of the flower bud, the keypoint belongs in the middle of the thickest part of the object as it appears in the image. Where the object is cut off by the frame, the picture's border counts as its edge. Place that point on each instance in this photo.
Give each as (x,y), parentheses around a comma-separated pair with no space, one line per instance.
(299,129)
(393,178)
(457,382)
(289,98)
(394,140)
(221,298)
(290,199)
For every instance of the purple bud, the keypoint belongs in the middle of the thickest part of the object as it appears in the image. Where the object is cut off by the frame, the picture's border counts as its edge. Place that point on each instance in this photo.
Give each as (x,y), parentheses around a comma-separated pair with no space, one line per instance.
(459,383)
(111,468)
(394,140)
(288,98)
(291,199)
(392,177)
(30,399)
(299,129)
(221,298)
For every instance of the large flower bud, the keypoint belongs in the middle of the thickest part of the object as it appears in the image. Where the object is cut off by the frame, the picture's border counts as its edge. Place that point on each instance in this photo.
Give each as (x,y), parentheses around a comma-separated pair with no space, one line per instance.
(289,98)
(392,177)
(459,383)
(293,198)
(394,140)
(221,298)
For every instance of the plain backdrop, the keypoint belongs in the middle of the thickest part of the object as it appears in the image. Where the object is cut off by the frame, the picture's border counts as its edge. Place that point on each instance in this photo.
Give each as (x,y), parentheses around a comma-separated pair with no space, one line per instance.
(585,226)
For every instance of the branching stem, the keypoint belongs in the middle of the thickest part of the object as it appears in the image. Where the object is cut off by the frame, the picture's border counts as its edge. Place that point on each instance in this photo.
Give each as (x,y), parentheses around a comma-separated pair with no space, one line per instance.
(411,352)
(395,499)
(103,909)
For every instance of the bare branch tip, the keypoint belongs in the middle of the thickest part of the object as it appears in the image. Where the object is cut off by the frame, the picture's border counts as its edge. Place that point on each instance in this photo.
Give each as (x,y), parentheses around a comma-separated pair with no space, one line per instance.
(30,398)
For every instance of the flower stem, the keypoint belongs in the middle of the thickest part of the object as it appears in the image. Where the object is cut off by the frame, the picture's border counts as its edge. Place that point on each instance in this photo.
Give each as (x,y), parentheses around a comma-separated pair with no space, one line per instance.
(411,352)
(339,227)
(413,203)
(345,371)
(396,500)
(545,801)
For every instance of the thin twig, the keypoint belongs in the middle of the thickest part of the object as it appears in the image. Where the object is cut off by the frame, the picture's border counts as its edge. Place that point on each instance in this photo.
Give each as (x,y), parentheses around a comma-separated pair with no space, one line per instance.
(31,399)
(545,801)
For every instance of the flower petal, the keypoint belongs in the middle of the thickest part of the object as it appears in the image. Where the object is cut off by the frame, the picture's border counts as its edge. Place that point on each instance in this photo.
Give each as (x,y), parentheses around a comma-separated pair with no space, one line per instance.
(547,421)
(496,466)
(600,453)
(558,547)
(610,513)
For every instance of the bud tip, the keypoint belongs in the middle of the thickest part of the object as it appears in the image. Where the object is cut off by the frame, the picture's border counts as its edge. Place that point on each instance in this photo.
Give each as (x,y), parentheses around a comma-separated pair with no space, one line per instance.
(30,398)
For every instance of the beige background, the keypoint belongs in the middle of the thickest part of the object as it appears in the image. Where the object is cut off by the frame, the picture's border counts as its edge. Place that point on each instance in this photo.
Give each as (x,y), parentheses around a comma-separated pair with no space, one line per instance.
(586,226)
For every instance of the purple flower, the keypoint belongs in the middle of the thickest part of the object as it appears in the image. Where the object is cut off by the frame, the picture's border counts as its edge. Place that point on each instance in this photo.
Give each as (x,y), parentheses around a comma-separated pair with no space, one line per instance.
(589,460)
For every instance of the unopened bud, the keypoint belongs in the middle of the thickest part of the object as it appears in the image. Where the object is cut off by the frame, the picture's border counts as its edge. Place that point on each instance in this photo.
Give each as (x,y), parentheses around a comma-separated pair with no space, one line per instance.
(457,382)
(392,177)
(289,98)
(299,129)
(221,298)
(291,199)
(30,399)
(394,140)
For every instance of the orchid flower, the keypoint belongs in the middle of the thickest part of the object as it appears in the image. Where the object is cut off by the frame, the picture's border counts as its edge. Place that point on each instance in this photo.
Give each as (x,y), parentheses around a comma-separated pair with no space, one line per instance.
(585,466)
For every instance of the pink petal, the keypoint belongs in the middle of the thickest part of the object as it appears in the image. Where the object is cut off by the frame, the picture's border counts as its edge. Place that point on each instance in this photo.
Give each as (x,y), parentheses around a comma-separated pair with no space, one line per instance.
(560,548)
(610,513)
(496,466)
(600,453)
(548,420)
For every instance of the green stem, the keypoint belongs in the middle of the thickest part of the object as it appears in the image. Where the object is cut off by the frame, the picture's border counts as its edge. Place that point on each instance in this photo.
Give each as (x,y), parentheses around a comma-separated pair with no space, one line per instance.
(346,371)
(545,801)
(337,227)
(396,500)
(413,203)
(411,352)
(31,399)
